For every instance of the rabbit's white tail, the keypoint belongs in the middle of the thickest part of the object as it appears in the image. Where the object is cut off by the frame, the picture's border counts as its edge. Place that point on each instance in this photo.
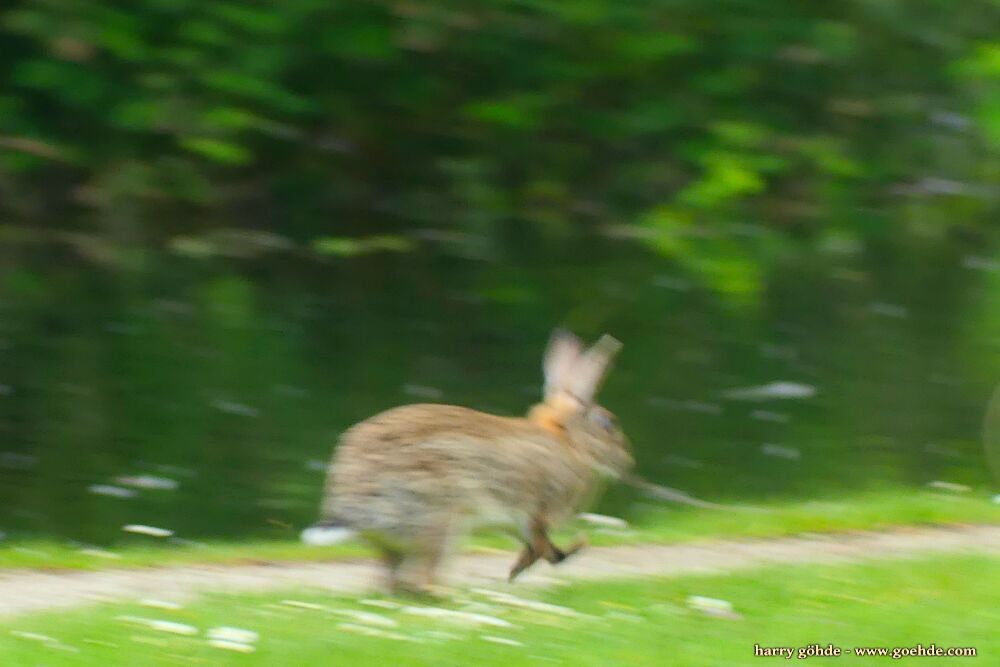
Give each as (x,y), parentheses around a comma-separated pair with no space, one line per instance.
(326,533)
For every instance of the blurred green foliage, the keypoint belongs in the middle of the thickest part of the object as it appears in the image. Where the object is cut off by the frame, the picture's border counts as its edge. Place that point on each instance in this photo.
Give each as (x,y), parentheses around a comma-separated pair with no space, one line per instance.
(321,120)
(743,190)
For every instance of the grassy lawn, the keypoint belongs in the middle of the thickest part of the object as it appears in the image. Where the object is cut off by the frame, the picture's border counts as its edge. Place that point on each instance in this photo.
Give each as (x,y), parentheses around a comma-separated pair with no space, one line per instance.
(947,600)
(653,523)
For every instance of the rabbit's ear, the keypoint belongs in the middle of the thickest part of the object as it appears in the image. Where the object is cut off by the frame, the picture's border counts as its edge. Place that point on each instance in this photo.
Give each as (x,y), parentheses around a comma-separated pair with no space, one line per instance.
(561,357)
(590,370)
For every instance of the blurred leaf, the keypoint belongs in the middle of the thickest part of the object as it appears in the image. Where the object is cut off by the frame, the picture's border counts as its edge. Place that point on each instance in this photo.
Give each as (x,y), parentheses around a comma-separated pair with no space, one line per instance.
(206,33)
(229,118)
(727,176)
(350,247)
(520,111)
(136,114)
(26,22)
(120,35)
(740,133)
(655,45)
(35,147)
(251,19)
(828,155)
(74,85)
(652,116)
(217,150)
(189,246)
(984,62)
(366,41)
(254,88)
(670,227)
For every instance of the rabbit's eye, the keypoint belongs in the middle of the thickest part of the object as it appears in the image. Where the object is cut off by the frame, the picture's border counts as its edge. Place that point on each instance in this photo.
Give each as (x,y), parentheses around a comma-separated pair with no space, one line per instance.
(603,419)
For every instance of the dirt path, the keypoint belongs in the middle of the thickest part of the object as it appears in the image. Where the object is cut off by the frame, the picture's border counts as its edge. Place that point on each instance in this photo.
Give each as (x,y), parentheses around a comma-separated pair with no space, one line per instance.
(24,592)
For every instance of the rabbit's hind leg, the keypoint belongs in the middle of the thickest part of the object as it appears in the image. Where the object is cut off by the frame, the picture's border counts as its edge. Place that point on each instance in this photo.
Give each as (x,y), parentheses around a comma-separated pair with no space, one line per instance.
(538,545)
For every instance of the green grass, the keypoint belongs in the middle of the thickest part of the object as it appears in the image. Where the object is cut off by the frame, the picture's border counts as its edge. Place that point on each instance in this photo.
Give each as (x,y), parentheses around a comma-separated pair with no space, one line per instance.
(51,555)
(945,600)
(654,523)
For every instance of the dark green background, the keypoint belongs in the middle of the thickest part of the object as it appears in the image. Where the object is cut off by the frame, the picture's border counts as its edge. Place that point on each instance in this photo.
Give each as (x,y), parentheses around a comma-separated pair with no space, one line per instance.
(229,230)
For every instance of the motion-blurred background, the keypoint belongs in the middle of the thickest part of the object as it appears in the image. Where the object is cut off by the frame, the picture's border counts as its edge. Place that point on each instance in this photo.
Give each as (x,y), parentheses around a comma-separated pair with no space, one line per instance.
(229,230)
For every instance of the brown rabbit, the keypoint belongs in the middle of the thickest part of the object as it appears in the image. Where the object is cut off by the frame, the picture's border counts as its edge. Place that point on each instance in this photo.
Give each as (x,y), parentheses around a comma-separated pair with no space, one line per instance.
(413,478)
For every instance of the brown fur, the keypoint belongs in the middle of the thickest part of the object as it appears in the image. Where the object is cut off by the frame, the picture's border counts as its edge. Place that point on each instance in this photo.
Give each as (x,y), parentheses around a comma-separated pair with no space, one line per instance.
(414,477)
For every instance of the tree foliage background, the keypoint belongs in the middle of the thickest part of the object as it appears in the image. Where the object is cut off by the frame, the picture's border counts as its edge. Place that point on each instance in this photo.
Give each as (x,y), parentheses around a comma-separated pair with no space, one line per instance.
(158,121)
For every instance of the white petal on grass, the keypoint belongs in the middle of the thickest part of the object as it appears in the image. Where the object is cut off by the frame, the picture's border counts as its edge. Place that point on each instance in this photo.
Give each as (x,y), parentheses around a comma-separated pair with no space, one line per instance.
(460,617)
(889,309)
(780,452)
(702,407)
(422,391)
(367,617)
(147,482)
(152,531)
(374,632)
(977,263)
(773,390)
(59,646)
(948,452)
(101,553)
(949,486)
(234,408)
(239,647)
(501,640)
(172,627)
(316,465)
(17,461)
(384,604)
(712,606)
(522,603)
(603,520)
(298,604)
(321,536)
(160,604)
(111,491)
(769,416)
(33,636)
(49,642)
(624,616)
(226,633)
(477,607)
